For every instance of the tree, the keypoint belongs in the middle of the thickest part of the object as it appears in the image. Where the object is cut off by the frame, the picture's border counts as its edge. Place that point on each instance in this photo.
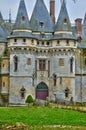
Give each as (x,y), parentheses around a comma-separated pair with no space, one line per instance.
(29,99)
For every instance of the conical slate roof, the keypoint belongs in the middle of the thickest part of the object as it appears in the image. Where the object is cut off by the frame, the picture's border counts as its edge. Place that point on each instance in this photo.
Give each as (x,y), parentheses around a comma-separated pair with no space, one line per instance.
(40,14)
(84,27)
(22,21)
(1,18)
(2,35)
(63,22)
(84,21)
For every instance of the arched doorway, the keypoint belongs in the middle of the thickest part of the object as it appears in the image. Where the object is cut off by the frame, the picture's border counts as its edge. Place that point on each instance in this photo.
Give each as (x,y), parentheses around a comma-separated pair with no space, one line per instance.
(41,91)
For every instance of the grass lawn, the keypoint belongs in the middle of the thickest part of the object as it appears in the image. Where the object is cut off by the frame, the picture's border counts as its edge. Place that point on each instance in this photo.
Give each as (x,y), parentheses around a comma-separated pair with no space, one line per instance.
(39,116)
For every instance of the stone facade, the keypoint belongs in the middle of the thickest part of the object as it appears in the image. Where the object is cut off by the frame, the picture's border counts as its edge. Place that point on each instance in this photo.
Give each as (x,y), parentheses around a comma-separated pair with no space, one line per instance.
(43,61)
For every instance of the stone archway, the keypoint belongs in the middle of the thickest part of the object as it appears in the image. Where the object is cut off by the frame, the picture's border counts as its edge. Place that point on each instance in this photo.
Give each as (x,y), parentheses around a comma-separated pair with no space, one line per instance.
(41,91)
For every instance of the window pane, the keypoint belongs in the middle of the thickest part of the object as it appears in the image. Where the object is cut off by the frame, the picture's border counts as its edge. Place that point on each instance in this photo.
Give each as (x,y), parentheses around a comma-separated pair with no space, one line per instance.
(61,62)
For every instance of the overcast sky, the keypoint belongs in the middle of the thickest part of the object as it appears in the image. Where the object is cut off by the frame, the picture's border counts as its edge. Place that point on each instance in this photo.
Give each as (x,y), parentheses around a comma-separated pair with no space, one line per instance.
(75,10)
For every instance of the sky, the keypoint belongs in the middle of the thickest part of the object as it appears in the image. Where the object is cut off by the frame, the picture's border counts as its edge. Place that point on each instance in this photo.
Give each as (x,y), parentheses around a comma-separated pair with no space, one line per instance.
(75,10)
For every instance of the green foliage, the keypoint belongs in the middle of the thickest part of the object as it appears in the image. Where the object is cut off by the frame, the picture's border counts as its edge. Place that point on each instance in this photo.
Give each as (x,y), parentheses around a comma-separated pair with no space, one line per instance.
(29,99)
(39,116)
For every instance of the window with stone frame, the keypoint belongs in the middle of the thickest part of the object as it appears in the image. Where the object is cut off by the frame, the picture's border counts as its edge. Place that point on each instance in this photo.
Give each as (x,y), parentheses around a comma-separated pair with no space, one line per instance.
(61,62)
(3,84)
(24,40)
(42,65)
(66,93)
(71,64)
(15,58)
(15,40)
(85,61)
(22,92)
(28,61)
(54,79)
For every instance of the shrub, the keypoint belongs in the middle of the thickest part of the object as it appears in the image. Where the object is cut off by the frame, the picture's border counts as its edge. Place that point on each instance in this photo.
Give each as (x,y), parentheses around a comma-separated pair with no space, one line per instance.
(29,99)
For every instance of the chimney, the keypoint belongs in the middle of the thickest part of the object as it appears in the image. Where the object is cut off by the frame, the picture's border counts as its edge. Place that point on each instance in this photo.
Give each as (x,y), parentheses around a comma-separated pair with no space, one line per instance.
(52,10)
(78,23)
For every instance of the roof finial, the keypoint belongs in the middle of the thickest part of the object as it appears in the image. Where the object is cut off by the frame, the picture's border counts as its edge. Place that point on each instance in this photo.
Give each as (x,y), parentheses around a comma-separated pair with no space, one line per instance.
(10,16)
(63,1)
(66,1)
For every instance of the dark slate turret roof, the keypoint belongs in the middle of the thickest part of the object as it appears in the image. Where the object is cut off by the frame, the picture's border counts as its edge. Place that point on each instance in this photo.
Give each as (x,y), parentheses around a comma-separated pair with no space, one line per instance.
(84,21)
(22,21)
(84,27)
(40,14)
(2,34)
(63,22)
(1,18)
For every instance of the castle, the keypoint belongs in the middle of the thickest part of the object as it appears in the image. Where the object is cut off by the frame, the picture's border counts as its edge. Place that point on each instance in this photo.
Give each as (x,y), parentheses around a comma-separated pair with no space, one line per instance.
(42,57)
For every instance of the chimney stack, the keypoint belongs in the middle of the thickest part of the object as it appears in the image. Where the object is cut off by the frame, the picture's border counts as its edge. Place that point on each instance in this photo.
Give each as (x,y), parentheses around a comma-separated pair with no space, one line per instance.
(78,23)
(52,10)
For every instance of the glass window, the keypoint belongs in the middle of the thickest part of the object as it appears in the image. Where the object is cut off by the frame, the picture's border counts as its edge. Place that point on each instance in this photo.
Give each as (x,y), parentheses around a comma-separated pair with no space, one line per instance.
(15,40)
(54,79)
(3,84)
(71,65)
(29,61)
(22,91)
(24,40)
(42,65)
(15,63)
(61,62)
(66,93)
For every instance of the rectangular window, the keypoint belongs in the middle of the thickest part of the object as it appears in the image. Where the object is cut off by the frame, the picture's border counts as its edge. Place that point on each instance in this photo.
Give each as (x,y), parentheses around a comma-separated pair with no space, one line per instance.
(61,62)
(15,40)
(3,84)
(24,40)
(48,68)
(42,65)
(28,61)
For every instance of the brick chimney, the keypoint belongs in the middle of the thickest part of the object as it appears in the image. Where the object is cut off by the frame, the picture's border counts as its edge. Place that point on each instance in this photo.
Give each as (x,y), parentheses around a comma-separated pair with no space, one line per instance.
(78,23)
(52,10)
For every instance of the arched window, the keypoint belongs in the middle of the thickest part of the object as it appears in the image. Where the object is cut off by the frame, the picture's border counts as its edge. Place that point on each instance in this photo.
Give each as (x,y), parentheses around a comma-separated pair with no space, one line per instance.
(71,64)
(54,79)
(15,63)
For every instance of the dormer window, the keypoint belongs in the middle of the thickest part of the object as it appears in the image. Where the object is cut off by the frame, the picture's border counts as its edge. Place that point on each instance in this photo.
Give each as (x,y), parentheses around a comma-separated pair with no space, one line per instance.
(42,35)
(23,18)
(65,20)
(41,24)
(79,39)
